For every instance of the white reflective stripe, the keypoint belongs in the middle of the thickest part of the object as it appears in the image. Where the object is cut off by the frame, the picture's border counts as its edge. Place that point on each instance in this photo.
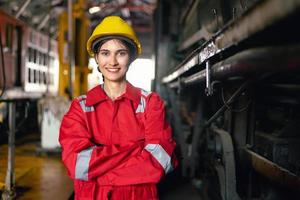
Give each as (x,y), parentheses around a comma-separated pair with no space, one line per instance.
(145,93)
(84,107)
(161,156)
(81,97)
(82,164)
(142,106)
(82,101)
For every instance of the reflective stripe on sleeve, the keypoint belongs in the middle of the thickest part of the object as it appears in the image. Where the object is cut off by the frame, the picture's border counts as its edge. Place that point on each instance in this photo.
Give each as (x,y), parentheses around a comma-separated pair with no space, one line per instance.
(161,156)
(82,101)
(145,93)
(142,106)
(82,164)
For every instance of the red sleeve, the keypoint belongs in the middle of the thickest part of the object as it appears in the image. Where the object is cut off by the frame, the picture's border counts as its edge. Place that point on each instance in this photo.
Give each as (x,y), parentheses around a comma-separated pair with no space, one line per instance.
(156,159)
(82,158)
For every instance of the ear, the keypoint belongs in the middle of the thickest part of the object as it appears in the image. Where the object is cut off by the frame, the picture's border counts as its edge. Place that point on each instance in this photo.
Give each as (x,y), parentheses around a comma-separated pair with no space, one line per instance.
(96,59)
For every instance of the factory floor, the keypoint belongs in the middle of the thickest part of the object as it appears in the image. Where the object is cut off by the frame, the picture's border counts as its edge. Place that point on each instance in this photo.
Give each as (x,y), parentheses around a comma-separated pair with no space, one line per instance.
(42,176)
(181,191)
(38,176)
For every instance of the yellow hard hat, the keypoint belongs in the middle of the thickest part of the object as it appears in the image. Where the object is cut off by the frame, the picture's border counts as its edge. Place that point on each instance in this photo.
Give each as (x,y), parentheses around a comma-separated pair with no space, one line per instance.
(113,26)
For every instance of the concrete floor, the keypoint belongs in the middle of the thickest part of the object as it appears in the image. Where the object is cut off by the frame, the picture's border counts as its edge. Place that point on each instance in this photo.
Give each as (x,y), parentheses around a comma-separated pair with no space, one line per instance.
(37,177)
(41,177)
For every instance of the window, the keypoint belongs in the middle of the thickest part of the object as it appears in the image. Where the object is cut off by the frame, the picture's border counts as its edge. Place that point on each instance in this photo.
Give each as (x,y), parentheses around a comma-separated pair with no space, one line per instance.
(29,75)
(34,76)
(41,58)
(44,59)
(9,36)
(39,77)
(34,55)
(44,78)
(31,37)
(28,54)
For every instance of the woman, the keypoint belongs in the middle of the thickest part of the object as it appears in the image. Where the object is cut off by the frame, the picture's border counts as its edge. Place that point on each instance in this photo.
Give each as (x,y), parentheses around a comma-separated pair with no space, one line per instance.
(115,140)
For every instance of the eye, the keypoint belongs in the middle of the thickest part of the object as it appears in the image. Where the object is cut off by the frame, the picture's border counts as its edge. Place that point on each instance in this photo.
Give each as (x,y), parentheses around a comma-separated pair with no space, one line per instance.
(104,53)
(123,53)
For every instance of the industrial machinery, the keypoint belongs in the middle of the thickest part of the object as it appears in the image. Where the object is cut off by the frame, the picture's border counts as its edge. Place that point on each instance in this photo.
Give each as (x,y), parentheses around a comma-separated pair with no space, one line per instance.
(72,51)
(29,68)
(231,82)
(35,84)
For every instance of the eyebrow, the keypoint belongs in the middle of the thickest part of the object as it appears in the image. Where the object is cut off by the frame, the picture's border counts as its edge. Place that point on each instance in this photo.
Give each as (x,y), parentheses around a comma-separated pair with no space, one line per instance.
(116,51)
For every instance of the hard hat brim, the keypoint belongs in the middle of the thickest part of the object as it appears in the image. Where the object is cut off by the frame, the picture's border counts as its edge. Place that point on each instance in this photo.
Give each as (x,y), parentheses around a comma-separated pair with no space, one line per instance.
(96,42)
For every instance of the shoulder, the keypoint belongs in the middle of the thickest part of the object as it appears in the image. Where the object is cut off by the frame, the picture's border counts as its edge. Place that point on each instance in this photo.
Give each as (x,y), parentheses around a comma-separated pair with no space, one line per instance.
(80,98)
(149,96)
(152,99)
(145,93)
(77,102)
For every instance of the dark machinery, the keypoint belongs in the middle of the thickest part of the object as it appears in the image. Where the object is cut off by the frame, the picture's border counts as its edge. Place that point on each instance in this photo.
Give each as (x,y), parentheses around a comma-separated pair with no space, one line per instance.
(233,91)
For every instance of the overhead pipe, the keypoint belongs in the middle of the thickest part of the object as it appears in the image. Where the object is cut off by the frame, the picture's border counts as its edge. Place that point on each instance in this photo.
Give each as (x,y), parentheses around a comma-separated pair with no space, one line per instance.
(251,62)
(238,31)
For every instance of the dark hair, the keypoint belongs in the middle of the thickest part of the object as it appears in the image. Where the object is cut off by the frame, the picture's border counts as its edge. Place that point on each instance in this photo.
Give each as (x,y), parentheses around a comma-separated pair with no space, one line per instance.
(128,43)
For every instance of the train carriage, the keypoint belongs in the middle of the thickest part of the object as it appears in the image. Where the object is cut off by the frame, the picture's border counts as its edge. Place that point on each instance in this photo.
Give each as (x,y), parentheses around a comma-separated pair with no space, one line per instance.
(30,58)
(233,97)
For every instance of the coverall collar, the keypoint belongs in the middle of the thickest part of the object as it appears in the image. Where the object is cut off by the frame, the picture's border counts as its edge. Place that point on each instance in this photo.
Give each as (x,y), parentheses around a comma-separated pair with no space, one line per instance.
(97,95)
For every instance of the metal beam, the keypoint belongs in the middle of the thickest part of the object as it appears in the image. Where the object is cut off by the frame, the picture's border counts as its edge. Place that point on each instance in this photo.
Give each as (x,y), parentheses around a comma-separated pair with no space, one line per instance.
(149,9)
(71,50)
(9,192)
(22,8)
(44,21)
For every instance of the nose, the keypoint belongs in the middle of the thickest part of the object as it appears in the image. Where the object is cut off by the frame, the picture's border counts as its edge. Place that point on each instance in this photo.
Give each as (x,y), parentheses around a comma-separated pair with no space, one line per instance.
(113,60)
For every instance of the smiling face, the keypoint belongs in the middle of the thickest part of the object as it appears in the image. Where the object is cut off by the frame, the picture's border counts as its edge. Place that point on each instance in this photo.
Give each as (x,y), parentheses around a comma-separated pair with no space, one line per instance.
(113,60)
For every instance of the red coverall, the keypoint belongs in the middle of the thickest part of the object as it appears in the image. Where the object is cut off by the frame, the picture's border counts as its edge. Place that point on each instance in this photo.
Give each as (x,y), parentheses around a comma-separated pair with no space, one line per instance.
(117,149)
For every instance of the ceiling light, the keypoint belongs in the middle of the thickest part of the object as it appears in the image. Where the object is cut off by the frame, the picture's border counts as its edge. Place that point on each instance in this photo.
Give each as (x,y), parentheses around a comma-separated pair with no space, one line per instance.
(94,9)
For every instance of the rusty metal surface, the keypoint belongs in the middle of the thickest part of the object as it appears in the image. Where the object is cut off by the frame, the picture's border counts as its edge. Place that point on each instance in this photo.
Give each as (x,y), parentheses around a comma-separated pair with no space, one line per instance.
(273,171)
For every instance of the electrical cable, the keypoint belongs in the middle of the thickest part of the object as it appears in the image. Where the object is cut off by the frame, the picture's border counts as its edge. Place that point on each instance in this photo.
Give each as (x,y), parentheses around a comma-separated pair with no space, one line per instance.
(230,108)
(3,67)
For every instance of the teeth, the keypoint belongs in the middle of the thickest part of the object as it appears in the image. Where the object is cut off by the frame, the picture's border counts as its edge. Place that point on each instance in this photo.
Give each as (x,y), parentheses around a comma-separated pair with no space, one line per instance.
(112,69)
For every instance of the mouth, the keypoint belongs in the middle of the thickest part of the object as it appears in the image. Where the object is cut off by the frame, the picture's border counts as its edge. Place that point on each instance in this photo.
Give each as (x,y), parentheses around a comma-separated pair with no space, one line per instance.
(113,70)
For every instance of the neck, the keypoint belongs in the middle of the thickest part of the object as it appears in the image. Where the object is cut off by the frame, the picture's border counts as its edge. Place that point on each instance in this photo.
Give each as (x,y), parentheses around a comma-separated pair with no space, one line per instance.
(114,89)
